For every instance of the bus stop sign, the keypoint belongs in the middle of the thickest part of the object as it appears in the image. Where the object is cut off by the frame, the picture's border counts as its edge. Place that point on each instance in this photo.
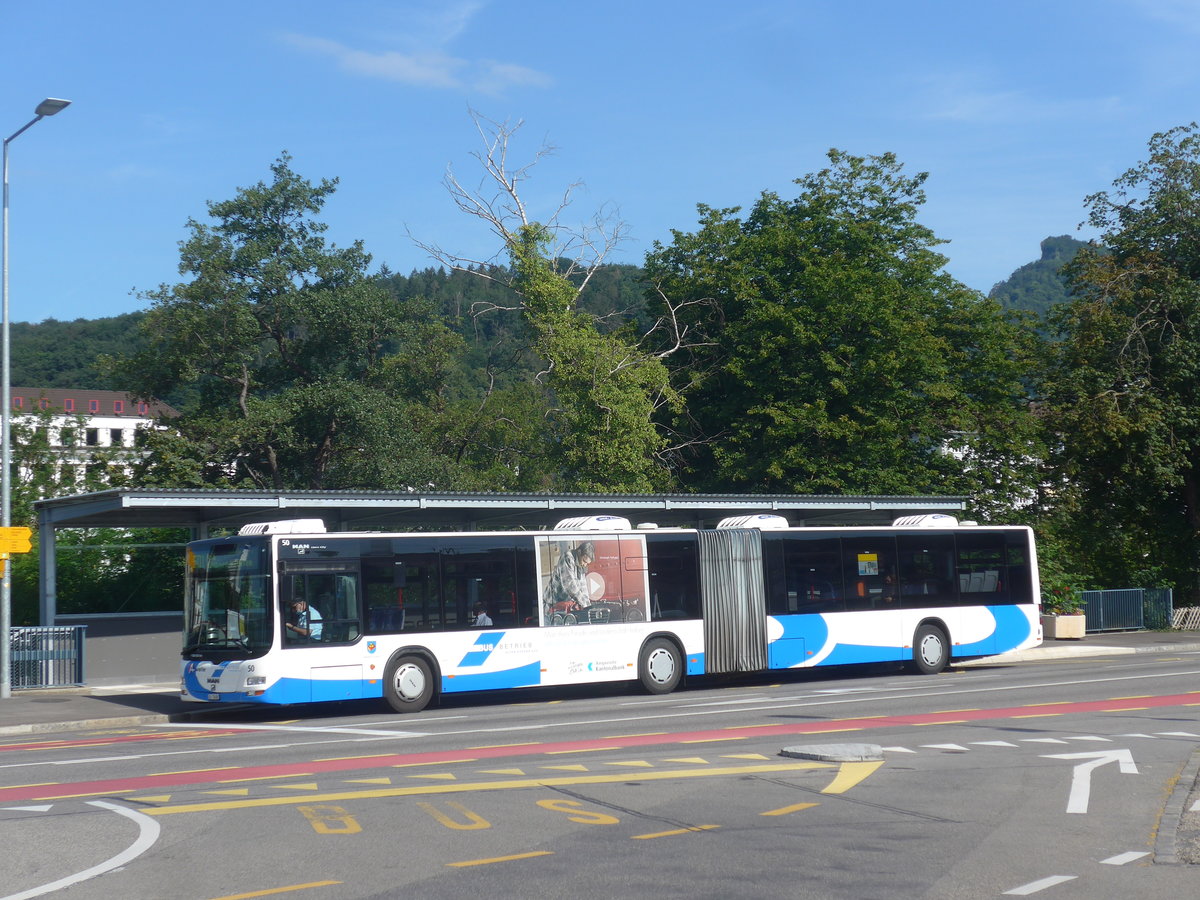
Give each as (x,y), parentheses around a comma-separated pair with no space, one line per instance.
(15,539)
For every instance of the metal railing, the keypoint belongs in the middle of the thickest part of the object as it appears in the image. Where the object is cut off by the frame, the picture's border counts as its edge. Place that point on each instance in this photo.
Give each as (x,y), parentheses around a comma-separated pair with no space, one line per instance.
(47,656)
(1128,609)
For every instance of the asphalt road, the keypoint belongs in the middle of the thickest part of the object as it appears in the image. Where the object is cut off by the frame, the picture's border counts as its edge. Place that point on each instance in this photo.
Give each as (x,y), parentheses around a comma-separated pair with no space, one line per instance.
(1068,778)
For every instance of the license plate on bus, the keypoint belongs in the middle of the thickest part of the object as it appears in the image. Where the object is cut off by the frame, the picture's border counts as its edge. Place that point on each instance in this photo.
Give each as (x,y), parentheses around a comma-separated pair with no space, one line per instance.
(214,696)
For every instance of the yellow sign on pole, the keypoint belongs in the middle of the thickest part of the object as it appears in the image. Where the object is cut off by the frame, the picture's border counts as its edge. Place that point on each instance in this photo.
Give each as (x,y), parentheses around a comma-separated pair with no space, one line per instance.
(15,539)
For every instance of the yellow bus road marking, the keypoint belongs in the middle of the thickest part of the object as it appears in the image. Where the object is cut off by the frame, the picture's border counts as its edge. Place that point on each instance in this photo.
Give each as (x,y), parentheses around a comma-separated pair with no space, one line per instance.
(470,822)
(440,776)
(1134,697)
(503,746)
(849,774)
(1127,709)
(440,762)
(617,737)
(368,781)
(636,764)
(785,810)
(267,778)
(480,786)
(161,798)
(89,794)
(577,767)
(830,730)
(1052,703)
(742,756)
(192,771)
(279,890)
(648,837)
(231,792)
(506,771)
(499,859)
(311,786)
(330,820)
(581,750)
(696,760)
(947,722)
(946,712)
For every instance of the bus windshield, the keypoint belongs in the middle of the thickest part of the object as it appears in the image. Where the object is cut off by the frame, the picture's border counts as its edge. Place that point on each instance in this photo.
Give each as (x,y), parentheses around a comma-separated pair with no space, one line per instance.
(227,600)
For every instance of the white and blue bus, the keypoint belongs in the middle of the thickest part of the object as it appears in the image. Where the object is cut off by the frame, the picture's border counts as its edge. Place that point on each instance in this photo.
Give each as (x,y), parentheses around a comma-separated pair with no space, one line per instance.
(286,612)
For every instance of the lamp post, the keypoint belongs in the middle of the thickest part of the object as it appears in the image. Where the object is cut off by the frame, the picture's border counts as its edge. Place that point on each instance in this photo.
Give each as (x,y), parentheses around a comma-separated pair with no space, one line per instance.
(48,107)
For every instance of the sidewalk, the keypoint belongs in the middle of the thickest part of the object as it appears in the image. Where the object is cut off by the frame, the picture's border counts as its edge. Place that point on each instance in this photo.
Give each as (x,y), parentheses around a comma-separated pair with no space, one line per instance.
(118,706)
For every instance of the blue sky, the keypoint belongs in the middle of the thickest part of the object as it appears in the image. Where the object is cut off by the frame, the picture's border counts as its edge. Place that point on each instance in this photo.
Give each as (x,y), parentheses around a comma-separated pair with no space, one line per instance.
(1017,109)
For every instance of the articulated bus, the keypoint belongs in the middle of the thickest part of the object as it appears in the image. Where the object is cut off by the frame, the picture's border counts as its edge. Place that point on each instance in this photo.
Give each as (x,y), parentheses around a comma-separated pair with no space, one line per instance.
(286,612)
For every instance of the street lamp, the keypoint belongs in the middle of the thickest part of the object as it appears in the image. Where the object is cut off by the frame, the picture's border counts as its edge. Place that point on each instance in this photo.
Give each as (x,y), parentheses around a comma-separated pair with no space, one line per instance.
(48,107)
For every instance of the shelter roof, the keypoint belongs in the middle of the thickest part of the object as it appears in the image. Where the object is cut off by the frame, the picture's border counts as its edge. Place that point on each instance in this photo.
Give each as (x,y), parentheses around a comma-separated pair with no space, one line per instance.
(404,511)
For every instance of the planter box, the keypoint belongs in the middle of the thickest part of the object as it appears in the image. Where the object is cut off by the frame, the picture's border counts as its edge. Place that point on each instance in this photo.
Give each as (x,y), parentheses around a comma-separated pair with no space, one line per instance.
(1064,628)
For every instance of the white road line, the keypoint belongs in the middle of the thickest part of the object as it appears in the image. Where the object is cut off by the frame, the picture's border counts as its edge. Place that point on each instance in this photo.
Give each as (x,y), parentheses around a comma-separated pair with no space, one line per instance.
(1081,777)
(994,743)
(1121,858)
(1034,886)
(147,835)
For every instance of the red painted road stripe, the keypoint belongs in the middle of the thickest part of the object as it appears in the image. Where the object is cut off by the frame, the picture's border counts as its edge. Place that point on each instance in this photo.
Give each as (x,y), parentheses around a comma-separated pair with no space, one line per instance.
(173,779)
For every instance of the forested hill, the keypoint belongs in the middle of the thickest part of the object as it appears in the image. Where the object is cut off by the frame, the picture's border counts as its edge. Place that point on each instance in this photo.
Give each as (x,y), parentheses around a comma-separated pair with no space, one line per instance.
(59,354)
(1037,286)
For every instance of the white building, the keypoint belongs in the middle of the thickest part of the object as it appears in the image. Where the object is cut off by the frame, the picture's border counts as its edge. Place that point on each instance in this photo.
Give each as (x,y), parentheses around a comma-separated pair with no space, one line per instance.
(81,422)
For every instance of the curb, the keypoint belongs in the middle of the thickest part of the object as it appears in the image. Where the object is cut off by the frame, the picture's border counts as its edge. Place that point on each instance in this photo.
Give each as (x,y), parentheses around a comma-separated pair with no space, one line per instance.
(107,722)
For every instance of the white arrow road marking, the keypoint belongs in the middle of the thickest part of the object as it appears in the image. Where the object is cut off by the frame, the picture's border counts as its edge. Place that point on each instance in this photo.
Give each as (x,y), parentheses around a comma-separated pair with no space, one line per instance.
(147,835)
(28,808)
(1081,780)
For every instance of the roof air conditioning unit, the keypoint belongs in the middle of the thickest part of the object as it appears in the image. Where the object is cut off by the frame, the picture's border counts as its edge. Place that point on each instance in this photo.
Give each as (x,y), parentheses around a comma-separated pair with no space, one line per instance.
(594,523)
(285,526)
(762,521)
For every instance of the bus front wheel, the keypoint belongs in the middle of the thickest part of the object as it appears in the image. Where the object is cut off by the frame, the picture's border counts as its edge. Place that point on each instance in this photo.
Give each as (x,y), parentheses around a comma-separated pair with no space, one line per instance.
(408,684)
(931,650)
(661,667)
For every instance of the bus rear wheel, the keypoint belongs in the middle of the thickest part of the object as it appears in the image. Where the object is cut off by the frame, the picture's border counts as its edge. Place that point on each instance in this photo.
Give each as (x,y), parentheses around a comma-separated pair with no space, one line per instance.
(931,650)
(660,668)
(408,684)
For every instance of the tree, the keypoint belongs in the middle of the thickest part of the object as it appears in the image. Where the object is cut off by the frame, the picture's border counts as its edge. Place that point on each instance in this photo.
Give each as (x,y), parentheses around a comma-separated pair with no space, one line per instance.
(601,387)
(1121,392)
(835,355)
(305,370)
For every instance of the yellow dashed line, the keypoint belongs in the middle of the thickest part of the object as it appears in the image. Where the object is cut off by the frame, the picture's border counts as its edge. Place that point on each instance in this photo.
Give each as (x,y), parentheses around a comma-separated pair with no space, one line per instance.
(440,762)
(280,890)
(647,837)
(498,859)
(437,776)
(266,778)
(193,771)
(785,810)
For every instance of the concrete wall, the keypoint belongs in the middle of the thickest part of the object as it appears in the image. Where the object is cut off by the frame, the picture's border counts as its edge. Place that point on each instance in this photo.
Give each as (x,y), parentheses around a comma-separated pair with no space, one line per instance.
(130,648)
